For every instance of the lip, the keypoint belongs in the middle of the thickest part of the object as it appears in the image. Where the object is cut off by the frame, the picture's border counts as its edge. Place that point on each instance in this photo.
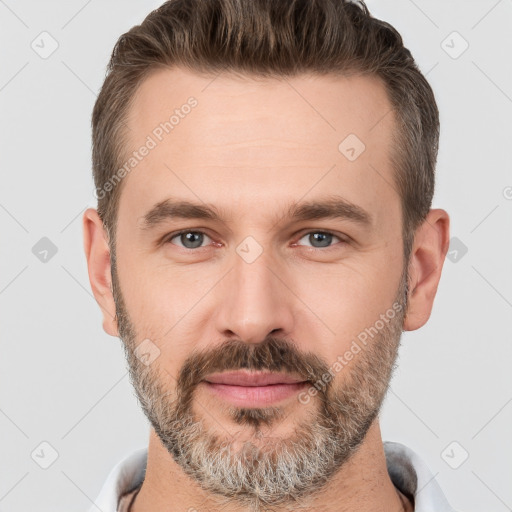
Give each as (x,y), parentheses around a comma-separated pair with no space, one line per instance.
(254,389)
(252,379)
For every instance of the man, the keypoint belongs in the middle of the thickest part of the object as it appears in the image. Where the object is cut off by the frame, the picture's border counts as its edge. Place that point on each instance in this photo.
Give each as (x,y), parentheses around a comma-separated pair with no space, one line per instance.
(264,233)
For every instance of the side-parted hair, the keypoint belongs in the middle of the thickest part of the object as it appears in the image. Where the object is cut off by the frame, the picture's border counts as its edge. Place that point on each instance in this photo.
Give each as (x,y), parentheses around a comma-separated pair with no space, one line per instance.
(271,38)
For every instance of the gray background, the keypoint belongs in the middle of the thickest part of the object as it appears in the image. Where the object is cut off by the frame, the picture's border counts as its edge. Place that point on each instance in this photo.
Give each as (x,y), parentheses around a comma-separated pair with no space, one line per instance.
(64,381)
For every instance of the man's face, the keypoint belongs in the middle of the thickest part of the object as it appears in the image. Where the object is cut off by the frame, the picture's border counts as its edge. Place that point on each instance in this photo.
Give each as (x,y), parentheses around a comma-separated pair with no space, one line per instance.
(257,288)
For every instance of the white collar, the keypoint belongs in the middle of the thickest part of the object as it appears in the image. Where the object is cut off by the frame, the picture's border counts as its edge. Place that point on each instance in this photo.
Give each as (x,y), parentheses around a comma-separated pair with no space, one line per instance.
(407,471)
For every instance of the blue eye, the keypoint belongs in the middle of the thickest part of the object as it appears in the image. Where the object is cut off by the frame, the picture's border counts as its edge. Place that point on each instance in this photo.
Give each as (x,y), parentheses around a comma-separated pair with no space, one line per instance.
(322,238)
(189,239)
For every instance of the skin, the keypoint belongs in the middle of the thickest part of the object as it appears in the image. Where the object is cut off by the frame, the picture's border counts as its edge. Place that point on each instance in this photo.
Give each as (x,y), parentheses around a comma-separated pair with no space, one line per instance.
(251,148)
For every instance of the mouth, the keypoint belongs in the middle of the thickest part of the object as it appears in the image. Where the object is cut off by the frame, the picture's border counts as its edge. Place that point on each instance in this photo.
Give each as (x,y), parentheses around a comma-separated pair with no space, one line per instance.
(256,389)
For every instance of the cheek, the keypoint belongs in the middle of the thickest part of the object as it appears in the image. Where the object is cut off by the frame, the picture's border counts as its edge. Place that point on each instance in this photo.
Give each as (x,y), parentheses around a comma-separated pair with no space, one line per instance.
(346,301)
(165,303)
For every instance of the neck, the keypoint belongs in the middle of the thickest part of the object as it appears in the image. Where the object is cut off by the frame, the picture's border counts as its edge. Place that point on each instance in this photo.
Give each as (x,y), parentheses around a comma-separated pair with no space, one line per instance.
(362,484)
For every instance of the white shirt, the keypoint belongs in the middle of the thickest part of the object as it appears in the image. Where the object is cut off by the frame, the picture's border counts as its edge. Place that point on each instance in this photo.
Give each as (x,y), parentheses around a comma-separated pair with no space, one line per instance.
(406,469)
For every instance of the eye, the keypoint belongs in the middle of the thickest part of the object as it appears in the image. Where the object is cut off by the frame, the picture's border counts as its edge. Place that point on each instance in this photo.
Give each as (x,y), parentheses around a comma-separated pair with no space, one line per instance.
(188,239)
(320,239)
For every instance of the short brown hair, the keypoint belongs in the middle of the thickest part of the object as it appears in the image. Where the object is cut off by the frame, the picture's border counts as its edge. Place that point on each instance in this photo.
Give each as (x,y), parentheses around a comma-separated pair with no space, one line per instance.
(271,38)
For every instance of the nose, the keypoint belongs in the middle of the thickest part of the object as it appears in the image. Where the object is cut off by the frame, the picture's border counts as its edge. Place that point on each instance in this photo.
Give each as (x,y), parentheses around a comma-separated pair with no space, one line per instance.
(255,301)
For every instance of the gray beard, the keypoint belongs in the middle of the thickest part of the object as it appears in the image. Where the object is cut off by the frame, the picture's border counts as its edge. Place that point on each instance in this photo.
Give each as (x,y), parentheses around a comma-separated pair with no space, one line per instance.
(266,471)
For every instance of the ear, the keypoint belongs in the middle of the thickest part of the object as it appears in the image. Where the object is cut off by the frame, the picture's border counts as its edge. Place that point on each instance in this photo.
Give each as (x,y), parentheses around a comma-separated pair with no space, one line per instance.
(431,242)
(97,252)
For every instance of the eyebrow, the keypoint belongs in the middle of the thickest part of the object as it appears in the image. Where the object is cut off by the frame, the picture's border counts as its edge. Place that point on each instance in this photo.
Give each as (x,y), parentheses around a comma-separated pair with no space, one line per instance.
(331,207)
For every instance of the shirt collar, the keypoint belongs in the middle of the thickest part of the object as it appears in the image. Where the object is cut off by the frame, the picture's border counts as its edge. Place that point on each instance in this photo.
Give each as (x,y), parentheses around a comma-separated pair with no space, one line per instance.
(412,477)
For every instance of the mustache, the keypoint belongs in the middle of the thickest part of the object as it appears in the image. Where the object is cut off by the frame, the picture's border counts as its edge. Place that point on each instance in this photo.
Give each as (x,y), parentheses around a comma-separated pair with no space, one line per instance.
(273,355)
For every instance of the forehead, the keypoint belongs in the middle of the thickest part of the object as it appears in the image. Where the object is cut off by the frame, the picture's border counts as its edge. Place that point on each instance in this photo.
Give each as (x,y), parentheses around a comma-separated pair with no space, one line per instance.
(240,140)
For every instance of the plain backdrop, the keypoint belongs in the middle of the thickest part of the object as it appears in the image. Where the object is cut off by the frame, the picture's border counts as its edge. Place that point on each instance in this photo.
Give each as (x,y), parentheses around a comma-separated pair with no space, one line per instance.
(65,397)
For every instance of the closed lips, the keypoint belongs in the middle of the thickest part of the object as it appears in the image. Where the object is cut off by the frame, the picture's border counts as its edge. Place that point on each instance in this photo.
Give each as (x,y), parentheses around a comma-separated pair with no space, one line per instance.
(252,379)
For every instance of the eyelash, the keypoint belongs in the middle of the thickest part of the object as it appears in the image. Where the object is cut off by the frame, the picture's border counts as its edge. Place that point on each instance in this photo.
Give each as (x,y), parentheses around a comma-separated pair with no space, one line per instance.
(168,239)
